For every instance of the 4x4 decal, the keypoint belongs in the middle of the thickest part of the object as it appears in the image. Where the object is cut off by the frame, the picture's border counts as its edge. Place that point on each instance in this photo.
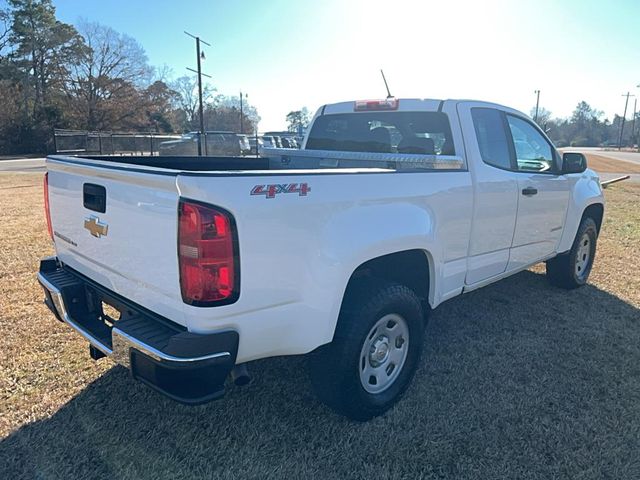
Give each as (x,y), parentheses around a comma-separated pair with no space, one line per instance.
(270,191)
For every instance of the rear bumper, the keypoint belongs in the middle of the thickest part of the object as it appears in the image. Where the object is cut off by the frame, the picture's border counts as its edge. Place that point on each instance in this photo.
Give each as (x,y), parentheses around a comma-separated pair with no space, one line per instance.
(187,367)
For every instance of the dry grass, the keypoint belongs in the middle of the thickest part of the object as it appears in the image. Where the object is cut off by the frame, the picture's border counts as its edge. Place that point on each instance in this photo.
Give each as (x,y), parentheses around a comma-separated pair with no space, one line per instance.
(518,380)
(33,350)
(605,164)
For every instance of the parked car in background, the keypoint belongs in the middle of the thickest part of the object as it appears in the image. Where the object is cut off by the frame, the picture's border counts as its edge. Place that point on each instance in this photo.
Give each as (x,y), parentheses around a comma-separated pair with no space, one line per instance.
(286,142)
(287,139)
(252,144)
(186,145)
(245,146)
(269,142)
(217,143)
(223,143)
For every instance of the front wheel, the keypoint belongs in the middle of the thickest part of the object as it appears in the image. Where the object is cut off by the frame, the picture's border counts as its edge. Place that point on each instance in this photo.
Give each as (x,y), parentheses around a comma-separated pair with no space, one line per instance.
(374,353)
(571,270)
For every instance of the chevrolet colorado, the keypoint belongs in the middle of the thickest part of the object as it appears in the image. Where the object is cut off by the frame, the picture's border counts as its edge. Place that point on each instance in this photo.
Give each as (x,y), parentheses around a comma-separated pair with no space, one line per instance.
(184,269)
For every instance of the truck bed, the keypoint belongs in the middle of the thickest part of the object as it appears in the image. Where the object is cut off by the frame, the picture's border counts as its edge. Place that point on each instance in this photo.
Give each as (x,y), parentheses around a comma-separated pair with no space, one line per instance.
(300,218)
(185,163)
(276,160)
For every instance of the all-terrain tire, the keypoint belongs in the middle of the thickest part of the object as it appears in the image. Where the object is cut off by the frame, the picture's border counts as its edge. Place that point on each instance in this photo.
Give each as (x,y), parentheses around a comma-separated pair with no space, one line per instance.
(337,369)
(571,269)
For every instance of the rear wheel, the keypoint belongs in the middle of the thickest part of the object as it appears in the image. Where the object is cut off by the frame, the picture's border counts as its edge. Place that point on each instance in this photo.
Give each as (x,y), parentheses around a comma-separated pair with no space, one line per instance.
(571,270)
(374,353)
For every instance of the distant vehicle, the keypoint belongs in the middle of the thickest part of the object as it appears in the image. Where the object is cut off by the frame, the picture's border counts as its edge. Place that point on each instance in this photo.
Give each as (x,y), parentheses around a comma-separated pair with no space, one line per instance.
(287,139)
(339,250)
(186,145)
(269,142)
(223,143)
(218,143)
(245,146)
(252,143)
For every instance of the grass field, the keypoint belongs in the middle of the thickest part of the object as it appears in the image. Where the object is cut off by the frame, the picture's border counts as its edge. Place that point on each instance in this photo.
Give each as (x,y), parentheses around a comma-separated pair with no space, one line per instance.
(518,380)
(601,163)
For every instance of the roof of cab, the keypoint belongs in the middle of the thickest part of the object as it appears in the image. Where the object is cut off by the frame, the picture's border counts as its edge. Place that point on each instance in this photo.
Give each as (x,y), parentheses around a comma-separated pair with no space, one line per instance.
(406,104)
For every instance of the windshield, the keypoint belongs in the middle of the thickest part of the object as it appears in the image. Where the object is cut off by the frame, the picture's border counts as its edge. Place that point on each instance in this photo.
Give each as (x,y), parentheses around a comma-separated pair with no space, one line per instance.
(424,133)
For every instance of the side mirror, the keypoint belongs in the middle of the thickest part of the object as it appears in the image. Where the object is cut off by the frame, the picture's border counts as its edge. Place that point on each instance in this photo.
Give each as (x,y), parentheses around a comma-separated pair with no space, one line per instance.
(573,162)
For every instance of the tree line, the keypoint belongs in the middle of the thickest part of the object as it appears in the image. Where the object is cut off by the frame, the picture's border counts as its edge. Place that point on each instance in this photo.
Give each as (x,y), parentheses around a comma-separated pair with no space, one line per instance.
(90,77)
(587,128)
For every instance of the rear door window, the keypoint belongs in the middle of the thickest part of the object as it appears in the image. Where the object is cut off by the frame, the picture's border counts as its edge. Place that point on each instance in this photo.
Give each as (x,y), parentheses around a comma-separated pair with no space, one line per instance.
(491,134)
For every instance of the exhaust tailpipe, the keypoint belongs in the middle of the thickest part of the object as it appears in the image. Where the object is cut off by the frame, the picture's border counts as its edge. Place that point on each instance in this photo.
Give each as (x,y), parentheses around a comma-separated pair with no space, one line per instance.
(240,375)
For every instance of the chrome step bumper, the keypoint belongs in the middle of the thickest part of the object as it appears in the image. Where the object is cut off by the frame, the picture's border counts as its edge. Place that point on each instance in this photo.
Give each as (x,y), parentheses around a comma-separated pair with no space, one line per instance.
(188,367)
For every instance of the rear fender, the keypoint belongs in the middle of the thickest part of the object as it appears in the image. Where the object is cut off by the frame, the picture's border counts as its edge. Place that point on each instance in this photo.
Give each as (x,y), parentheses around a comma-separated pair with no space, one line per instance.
(364,233)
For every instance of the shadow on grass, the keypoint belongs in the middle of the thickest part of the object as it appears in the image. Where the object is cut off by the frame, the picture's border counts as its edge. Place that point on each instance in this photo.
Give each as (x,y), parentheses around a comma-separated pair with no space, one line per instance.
(517,380)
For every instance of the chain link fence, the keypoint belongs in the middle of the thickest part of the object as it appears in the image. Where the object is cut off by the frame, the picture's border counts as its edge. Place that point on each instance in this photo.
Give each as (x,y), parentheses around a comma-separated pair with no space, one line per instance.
(109,143)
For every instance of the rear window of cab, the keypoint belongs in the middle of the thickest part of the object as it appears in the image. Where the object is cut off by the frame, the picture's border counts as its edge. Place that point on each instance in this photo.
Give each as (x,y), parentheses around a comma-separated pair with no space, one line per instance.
(421,133)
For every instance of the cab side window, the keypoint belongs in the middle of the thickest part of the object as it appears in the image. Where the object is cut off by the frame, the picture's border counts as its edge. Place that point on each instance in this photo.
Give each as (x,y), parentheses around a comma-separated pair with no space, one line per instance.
(533,151)
(492,137)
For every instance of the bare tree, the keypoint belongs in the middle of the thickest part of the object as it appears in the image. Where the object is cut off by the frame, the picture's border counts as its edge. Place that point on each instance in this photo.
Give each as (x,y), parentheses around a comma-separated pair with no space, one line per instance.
(186,100)
(108,74)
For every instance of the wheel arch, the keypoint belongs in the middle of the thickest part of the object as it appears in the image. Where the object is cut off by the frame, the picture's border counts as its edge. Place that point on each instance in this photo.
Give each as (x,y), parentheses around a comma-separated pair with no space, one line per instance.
(411,268)
(595,211)
(586,199)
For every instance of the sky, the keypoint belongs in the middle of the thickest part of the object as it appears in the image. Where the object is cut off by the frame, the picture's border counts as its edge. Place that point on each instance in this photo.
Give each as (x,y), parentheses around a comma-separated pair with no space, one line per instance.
(287,54)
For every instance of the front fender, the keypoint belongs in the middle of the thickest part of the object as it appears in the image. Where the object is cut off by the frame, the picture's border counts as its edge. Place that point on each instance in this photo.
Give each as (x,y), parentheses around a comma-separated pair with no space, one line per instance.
(585,190)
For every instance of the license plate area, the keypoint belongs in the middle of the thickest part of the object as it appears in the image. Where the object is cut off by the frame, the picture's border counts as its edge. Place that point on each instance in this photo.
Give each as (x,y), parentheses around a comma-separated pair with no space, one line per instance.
(106,310)
(109,314)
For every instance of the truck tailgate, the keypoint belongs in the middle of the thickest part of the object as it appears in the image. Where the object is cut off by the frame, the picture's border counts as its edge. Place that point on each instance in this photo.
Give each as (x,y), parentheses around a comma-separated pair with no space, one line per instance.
(119,228)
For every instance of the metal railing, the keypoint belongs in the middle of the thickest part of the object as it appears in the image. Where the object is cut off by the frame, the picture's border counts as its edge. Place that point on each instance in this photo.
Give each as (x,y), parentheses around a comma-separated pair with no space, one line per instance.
(109,143)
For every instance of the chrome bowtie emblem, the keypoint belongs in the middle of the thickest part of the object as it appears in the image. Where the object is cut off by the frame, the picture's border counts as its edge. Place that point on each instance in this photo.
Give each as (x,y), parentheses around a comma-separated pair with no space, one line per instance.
(96,227)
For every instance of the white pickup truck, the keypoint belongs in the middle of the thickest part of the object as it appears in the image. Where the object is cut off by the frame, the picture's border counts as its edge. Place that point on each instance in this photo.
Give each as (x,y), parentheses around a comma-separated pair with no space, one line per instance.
(185,268)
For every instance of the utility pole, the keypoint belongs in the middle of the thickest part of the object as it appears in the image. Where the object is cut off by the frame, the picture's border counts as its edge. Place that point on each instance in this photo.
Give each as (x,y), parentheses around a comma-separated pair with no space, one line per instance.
(633,124)
(241,113)
(200,56)
(624,117)
(535,117)
(635,136)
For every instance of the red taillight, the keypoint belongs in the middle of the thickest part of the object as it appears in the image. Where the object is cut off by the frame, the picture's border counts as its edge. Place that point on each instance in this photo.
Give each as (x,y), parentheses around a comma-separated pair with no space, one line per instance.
(47,212)
(373,105)
(208,255)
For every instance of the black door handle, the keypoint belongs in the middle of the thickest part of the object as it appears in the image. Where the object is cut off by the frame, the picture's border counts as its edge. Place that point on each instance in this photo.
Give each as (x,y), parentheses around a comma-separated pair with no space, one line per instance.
(529,191)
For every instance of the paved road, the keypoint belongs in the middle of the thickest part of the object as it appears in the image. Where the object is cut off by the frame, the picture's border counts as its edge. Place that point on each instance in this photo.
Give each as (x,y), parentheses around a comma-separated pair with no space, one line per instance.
(22,165)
